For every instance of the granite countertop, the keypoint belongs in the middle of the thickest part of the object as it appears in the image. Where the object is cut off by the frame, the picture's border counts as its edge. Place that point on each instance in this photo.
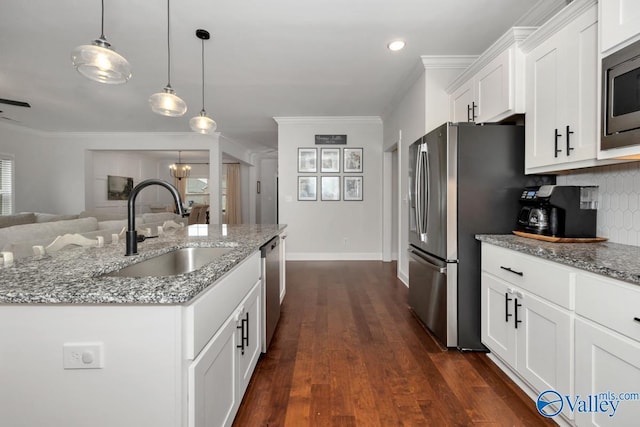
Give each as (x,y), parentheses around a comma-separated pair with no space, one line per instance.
(73,276)
(621,262)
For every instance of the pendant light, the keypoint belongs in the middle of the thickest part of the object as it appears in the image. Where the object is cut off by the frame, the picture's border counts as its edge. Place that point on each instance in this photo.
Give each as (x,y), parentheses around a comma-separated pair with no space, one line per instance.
(167,103)
(99,62)
(201,123)
(180,170)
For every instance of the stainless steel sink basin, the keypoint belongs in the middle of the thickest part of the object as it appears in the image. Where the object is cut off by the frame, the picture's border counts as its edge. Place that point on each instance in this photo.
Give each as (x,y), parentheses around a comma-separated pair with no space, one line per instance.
(180,261)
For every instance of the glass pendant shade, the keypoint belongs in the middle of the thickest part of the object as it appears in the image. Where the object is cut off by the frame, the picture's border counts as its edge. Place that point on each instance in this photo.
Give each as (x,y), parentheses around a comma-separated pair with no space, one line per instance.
(202,124)
(100,63)
(167,103)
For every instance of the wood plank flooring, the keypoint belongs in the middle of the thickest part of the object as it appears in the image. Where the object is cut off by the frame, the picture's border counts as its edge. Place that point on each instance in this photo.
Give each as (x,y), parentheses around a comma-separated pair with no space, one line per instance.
(349,352)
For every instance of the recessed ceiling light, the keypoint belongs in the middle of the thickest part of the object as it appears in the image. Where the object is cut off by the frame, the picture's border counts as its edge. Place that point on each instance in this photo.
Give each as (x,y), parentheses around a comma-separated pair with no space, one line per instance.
(396,45)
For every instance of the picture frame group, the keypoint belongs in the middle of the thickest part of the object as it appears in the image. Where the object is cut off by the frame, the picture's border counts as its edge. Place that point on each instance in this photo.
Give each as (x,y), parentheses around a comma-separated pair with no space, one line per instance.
(330,188)
(328,160)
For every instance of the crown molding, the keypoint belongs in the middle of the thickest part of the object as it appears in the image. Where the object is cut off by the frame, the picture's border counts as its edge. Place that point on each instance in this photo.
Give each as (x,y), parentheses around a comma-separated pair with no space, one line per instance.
(541,12)
(328,119)
(437,62)
(513,37)
(556,23)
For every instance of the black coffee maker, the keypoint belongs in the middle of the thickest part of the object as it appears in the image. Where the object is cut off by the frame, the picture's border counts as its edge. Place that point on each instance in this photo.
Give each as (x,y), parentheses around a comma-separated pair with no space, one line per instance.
(559,210)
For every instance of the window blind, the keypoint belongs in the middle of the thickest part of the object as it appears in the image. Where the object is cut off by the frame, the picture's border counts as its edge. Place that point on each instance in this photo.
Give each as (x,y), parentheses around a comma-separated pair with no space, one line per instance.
(6,185)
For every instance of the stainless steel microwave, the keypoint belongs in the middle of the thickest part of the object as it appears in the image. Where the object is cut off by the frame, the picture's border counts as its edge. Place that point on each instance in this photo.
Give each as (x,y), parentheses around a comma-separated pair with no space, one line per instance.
(621,98)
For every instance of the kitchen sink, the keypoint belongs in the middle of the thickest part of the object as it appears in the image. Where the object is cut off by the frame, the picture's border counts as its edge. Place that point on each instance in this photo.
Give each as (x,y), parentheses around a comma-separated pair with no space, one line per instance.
(180,261)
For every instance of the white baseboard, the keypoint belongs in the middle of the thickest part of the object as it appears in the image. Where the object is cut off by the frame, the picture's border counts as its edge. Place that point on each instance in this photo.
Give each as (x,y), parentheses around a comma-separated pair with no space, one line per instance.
(333,256)
(403,278)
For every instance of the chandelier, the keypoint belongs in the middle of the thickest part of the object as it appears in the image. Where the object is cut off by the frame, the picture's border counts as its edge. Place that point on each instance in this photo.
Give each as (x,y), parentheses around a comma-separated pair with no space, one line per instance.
(180,170)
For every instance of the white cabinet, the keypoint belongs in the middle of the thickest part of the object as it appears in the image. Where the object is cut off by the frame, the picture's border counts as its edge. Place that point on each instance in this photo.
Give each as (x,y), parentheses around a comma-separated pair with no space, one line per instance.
(608,347)
(492,88)
(222,369)
(619,23)
(463,103)
(283,265)
(249,327)
(561,91)
(531,334)
(213,386)
(607,362)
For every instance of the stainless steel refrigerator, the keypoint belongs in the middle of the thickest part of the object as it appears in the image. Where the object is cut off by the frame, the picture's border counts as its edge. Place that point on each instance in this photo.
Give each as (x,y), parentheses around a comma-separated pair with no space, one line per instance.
(464,180)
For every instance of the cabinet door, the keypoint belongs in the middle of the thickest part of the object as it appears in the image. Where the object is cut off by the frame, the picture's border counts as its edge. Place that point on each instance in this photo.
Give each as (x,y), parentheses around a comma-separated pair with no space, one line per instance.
(542,100)
(213,397)
(619,22)
(497,327)
(579,71)
(462,103)
(544,344)
(607,363)
(250,350)
(493,86)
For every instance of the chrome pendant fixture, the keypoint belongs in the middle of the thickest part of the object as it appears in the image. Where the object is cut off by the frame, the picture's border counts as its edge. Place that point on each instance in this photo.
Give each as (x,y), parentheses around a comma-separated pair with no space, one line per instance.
(99,62)
(180,170)
(201,123)
(167,103)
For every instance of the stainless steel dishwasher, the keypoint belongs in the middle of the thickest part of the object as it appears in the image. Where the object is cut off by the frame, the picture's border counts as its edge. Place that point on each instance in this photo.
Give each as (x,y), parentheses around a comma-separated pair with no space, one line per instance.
(270,289)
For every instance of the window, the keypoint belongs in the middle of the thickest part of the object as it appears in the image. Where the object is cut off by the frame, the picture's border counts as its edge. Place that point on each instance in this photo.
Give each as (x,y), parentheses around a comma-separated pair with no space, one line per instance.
(6,185)
(197,191)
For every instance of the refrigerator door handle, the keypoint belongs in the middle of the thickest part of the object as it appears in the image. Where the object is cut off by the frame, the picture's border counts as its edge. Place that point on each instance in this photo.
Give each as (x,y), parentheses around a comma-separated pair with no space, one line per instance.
(419,258)
(422,191)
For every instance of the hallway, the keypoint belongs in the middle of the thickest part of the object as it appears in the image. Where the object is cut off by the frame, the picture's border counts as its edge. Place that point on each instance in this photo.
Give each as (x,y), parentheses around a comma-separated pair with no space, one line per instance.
(348,352)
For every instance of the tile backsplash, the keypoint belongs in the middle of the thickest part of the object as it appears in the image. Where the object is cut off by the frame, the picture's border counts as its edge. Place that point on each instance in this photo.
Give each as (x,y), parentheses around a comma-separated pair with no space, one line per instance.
(618,199)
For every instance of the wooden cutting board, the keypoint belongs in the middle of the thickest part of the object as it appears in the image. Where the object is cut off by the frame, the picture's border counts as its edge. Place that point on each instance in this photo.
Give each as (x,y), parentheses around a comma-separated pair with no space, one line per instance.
(560,239)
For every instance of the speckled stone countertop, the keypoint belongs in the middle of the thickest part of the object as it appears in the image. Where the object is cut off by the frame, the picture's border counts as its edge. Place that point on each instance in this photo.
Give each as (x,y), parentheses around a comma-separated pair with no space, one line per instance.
(74,276)
(621,262)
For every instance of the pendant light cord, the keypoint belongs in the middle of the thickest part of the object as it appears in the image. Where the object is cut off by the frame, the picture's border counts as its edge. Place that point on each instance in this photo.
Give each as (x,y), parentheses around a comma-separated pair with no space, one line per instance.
(168,49)
(102,23)
(202,74)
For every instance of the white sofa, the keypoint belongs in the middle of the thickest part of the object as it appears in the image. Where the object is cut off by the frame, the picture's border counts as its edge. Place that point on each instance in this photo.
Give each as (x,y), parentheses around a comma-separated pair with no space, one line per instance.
(21,237)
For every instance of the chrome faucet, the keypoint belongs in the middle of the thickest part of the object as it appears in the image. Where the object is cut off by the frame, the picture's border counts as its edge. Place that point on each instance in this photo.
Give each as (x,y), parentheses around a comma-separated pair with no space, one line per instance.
(132,235)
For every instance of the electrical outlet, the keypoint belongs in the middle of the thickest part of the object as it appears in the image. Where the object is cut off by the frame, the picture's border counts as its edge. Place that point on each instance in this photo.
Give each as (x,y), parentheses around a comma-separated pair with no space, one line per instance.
(83,355)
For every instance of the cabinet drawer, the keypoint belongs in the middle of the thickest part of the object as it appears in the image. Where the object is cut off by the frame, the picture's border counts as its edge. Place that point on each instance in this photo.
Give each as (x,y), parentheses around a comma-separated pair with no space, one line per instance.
(207,313)
(611,303)
(545,279)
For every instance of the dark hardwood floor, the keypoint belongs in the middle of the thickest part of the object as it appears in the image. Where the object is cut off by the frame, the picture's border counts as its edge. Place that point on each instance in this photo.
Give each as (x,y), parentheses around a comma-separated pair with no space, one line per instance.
(349,352)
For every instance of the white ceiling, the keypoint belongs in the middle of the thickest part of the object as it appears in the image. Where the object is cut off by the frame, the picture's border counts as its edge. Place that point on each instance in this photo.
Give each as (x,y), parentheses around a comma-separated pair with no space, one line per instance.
(264,59)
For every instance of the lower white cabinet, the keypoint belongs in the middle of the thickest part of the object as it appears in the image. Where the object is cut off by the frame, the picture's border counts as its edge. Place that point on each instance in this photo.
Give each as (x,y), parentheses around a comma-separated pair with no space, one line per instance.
(219,376)
(529,334)
(607,366)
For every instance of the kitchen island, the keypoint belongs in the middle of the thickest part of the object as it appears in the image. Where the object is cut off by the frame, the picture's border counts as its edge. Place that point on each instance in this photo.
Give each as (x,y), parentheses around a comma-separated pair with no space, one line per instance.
(78,347)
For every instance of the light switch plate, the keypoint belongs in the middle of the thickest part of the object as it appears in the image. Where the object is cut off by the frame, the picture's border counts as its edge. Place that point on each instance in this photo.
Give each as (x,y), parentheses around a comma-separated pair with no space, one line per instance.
(88,355)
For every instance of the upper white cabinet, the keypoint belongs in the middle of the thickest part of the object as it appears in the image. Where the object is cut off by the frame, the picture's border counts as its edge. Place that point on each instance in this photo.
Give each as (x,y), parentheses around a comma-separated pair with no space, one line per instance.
(492,88)
(619,23)
(561,91)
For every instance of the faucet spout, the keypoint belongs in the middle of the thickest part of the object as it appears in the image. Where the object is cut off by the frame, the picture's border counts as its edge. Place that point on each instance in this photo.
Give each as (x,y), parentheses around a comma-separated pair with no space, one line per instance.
(132,235)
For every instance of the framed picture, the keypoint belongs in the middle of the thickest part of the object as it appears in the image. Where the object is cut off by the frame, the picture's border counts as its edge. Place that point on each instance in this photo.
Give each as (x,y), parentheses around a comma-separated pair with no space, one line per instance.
(352,188)
(330,188)
(329,160)
(352,160)
(119,187)
(307,187)
(307,160)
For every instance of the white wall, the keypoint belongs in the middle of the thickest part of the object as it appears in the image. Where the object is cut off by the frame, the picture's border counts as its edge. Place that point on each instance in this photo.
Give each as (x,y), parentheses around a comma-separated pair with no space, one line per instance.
(336,230)
(268,199)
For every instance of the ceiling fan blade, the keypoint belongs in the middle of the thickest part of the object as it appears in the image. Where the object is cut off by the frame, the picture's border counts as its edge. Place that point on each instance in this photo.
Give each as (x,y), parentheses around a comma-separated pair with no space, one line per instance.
(16,103)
